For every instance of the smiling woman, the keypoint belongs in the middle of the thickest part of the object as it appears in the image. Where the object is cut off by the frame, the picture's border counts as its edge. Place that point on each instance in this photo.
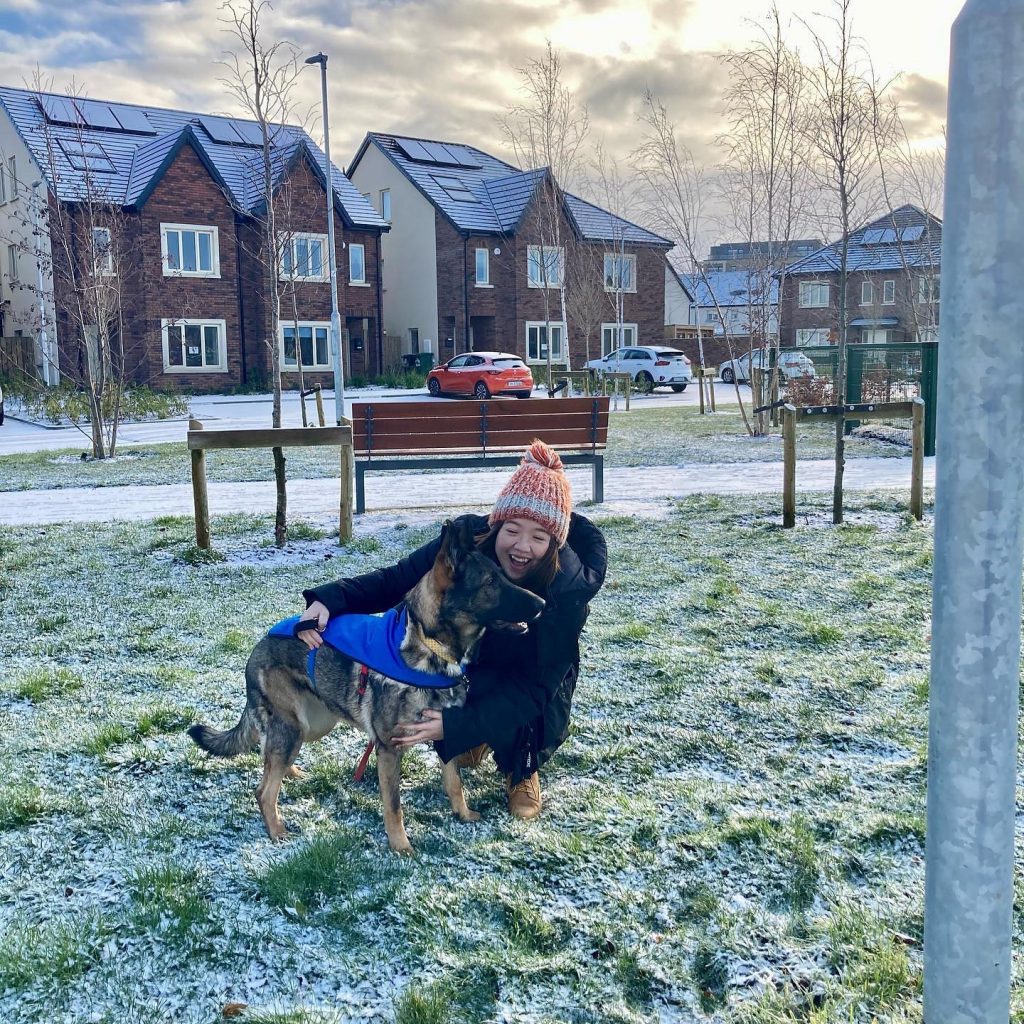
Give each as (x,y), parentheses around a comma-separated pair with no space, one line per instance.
(523,677)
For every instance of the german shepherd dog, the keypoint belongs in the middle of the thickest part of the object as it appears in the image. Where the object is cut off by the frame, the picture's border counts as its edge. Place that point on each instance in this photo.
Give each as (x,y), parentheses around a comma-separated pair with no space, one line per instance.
(448,611)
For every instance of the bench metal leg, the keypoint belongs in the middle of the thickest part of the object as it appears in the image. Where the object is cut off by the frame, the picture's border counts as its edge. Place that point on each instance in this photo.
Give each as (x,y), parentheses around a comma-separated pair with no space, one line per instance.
(360,488)
(598,478)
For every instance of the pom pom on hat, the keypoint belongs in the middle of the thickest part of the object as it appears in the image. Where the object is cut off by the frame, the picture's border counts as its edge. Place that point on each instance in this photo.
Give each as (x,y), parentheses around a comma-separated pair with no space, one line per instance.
(538,490)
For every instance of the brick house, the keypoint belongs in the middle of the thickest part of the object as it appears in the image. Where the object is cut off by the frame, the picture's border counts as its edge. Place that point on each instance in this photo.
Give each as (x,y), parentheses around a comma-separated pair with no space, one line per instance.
(465,267)
(892,288)
(169,206)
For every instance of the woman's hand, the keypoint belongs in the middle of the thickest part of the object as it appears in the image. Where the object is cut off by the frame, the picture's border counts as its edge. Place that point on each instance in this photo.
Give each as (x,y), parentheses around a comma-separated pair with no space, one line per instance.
(429,729)
(318,615)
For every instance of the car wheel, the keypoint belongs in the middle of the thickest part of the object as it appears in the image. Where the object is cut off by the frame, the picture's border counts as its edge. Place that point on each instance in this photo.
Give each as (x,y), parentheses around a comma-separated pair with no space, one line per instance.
(434,387)
(644,382)
(728,376)
(678,388)
(480,391)
(523,394)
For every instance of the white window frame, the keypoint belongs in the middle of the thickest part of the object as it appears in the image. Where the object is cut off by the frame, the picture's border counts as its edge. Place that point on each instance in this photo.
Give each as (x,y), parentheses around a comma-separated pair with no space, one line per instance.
(289,241)
(485,281)
(12,262)
(928,290)
(628,259)
(12,174)
(385,204)
(103,267)
(867,293)
(613,330)
(558,357)
(314,367)
(3,184)
(805,304)
(358,281)
(210,229)
(537,253)
(810,337)
(889,292)
(222,329)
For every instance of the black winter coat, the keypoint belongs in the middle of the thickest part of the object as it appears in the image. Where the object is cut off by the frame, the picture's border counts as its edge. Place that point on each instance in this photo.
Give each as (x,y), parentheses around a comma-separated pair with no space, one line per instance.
(520,685)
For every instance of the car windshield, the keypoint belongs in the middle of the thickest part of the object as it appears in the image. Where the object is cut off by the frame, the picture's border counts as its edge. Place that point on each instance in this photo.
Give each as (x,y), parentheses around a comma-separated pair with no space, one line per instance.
(669,353)
(510,364)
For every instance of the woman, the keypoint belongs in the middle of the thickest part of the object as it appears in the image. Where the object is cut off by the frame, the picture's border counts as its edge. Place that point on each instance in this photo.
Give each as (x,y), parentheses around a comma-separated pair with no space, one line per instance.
(521,683)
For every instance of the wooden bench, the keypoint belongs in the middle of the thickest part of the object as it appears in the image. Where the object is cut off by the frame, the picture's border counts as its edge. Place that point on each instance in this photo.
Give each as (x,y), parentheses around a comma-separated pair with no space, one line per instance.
(454,435)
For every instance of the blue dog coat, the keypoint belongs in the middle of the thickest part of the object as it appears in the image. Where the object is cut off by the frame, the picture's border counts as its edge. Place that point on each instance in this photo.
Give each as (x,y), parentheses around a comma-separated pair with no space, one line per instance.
(372,640)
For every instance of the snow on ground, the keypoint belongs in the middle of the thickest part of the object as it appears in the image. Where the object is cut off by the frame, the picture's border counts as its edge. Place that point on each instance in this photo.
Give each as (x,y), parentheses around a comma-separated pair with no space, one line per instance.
(733,831)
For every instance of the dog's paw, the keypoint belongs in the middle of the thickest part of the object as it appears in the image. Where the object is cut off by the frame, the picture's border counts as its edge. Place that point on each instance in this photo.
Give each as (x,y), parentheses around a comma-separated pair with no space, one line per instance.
(402,849)
(468,815)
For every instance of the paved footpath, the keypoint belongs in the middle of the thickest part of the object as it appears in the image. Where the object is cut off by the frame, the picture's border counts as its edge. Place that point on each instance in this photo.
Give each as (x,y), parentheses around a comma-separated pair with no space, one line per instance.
(630,489)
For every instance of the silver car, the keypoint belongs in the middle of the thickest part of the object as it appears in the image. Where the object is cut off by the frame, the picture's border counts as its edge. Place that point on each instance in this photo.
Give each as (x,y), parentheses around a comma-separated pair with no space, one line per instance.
(791,365)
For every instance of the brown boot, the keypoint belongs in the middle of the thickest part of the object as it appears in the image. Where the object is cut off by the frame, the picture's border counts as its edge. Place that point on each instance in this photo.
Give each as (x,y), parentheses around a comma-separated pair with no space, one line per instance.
(524,797)
(472,758)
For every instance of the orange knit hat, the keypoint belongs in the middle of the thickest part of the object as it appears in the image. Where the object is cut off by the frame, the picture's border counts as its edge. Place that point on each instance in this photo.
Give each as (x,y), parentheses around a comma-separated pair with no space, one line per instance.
(538,490)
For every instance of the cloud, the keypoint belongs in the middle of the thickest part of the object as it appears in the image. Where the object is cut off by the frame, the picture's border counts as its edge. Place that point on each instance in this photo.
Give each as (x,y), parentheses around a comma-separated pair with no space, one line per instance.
(922,104)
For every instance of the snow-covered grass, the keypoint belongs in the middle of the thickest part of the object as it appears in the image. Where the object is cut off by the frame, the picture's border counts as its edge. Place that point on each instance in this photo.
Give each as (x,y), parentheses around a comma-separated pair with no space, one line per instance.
(733,831)
(642,437)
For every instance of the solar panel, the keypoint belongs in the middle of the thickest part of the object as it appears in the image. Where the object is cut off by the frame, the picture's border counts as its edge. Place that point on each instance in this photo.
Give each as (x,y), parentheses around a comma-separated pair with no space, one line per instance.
(98,115)
(220,129)
(463,158)
(251,133)
(440,154)
(413,150)
(912,233)
(879,236)
(60,110)
(133,120)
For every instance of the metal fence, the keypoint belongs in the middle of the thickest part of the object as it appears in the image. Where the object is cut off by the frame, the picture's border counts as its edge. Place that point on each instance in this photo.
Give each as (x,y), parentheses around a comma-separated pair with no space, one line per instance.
(896,372)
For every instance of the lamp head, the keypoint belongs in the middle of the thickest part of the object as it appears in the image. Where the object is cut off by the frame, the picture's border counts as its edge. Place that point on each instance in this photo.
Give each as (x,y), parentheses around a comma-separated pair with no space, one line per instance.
(320,58)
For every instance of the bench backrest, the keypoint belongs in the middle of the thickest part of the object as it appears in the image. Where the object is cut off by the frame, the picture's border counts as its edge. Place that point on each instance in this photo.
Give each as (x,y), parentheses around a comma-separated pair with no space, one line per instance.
(475,427)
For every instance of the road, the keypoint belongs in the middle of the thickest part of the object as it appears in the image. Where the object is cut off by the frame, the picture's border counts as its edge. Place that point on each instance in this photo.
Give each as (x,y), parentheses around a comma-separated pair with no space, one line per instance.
(235,411)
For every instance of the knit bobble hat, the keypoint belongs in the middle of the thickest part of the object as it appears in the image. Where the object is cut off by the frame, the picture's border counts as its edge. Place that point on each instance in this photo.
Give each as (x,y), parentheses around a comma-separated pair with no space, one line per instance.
(538,490)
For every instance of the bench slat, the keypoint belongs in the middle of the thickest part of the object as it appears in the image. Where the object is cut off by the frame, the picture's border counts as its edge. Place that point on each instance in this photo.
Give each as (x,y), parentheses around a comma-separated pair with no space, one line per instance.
(534,409)
(268,437)
(581,422)
(442,442)
(481,458)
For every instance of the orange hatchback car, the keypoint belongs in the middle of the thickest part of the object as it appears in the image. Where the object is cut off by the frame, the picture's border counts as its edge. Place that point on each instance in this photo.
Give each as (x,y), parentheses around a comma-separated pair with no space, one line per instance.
(482,375)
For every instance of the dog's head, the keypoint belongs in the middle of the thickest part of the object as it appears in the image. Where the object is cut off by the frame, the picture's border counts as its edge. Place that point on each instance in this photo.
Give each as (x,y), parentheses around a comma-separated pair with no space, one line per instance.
(475,587)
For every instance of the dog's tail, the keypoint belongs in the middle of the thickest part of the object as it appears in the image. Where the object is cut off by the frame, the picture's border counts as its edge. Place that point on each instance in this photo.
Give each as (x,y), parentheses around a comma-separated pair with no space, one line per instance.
(228,742)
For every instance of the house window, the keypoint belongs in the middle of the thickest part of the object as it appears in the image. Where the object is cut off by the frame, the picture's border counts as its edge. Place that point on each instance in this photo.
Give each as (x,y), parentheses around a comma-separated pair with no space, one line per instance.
(537,335)
(356,264)
(314,346)
(867,293)
(888,293)
(189,250)
(12,174)
(813,294)
(544,266)
(194,346)
(928,289)
(303,257)
(619,273)
(3,184)
(483,267)
(610,337)
(102,256)
(711,317)
(12,262)
(385,204)
(814,336)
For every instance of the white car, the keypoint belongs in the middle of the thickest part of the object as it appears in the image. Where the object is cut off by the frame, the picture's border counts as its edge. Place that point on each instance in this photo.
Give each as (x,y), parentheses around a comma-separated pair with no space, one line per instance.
(791,365)
(650,366)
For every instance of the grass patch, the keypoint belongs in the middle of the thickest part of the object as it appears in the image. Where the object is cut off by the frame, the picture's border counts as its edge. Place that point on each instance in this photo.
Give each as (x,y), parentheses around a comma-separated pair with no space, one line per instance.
(41,684)
(52,955)
(24,803)
(170,897)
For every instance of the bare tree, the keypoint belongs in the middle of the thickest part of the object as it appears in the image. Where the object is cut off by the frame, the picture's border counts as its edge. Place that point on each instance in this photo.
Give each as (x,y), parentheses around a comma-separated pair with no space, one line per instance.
(586,301)
(843,135)
(766,172)
(547,130)
(261,76)
(674,191)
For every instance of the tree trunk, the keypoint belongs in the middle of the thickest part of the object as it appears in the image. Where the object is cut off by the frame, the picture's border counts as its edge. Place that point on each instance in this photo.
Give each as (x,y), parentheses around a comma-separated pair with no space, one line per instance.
(281,511)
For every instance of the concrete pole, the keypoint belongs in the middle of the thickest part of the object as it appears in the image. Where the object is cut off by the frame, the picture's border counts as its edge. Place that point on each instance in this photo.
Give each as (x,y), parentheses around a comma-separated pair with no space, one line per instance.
(979,543)
(336,353)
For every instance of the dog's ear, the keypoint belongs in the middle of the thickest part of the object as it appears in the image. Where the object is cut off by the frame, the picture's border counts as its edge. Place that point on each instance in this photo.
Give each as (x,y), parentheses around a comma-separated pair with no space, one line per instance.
(458,541)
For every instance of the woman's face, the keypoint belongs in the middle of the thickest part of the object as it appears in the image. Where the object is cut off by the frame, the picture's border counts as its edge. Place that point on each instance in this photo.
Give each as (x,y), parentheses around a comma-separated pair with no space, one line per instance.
(520,546)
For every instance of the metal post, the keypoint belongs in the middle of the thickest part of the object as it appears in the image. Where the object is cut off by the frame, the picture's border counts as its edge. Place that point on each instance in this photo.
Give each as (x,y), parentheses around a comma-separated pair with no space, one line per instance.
(979,543)
(51,372)
(789,467)
(336,353)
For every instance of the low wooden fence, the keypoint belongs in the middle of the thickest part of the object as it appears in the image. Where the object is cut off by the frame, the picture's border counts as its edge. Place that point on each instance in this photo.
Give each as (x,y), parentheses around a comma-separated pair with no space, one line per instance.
(18,358)
(914,409)
(590,383)
(200,440)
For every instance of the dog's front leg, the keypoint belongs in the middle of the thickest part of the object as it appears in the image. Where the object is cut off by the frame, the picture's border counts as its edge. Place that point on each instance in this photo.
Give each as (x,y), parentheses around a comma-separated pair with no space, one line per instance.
(452,782)
(389,776)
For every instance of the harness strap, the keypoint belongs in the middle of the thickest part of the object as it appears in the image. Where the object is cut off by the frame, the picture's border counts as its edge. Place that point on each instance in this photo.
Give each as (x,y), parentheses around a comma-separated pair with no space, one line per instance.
(311,666)
(364,678)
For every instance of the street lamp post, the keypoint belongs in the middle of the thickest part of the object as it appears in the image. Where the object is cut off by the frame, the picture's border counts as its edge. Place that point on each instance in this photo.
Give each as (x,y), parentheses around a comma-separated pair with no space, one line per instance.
(51,375)
(339,370)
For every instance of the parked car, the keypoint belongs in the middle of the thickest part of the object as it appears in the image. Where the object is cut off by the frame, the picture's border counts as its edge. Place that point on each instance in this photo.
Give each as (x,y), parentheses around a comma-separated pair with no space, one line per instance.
(791,365)
(481,374)
(650,366)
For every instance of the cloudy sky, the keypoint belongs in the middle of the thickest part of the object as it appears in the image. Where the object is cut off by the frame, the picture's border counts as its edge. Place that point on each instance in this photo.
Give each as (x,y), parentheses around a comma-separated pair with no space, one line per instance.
(445,69)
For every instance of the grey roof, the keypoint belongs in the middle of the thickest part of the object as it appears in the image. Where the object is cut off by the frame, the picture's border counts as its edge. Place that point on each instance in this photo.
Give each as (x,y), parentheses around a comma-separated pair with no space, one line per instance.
(730,287)
(892,242)
(480,194)
(140,142)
